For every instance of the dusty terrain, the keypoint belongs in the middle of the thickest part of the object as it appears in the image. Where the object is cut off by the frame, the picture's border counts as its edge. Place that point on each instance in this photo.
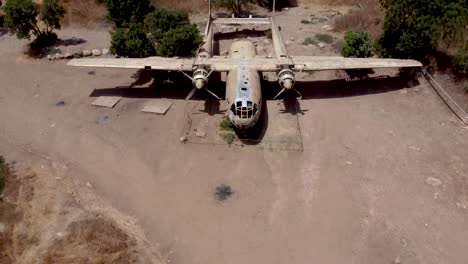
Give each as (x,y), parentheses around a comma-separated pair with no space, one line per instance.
(381,178)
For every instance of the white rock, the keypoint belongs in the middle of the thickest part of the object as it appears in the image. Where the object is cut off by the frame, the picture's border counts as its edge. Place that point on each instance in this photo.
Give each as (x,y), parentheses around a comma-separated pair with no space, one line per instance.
(292,39)
(59,56)
(433,181)
(77,54)
(105,51)
(88,184)
(87,53)
(321,45)
(200,133)
(2,228)
(285,9)
(327,28)
(266,41)
(183,139)
(287,42)
(96,52)
(68,55)
(50,57)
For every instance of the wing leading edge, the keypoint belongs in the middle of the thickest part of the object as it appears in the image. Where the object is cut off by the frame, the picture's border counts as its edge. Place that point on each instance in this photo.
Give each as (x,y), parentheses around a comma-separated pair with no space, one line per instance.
(261,64)
(153,63)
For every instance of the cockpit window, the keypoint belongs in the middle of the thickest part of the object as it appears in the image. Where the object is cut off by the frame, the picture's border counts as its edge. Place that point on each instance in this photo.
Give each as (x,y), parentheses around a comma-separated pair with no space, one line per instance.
(244,112)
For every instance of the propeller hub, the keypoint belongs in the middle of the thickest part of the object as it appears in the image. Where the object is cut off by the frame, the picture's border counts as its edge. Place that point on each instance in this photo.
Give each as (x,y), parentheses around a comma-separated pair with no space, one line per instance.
(199,83)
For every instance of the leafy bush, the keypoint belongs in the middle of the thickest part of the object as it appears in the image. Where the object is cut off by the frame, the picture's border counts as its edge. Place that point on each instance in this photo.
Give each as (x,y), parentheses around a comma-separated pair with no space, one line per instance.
(357,44)
(309,40)
(226,124)
(180,41)
(413,29)
(132,42)
(158,22)
(325,38)
(122,11)
(2,20)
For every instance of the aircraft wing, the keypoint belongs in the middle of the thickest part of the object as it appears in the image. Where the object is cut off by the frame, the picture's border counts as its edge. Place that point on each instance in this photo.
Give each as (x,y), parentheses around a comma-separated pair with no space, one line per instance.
(307,63)
(310,63)
(153,63)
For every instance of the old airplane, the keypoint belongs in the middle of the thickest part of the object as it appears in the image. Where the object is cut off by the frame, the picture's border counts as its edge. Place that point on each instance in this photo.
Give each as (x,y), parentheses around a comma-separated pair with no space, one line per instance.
(243,67)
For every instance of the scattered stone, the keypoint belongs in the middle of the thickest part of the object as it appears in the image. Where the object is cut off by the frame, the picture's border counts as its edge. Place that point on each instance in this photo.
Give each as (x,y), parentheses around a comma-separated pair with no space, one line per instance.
(433,181)
(50,57)
(292,39)
(285,9)
(349,163)
(96,52)
(461,205)
(60,103)
(2,228)
(87,53)
(266,41)
(183,139)
(200,133)
(397,260)
(78,54)
(88,184)
(327,28)
(59,56)
(404,91)
(59,234)
(287,42)
(321,45)
(52,125)
(68,55)
(105,51)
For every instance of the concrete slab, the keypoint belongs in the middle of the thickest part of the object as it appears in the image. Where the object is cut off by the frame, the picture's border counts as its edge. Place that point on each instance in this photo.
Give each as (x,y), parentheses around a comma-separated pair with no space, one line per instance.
(106,101)
(159,107)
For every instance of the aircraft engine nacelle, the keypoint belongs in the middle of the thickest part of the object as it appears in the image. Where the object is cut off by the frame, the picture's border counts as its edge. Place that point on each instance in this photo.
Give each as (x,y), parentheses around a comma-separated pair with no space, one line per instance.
(286,79)
(200,78)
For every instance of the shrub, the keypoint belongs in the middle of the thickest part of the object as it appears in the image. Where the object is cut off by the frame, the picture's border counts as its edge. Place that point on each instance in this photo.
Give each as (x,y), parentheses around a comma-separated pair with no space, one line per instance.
(309,40)
(161,21)
(122,11)
(181,41)
(413,29)
(357,44)
(325,38)
(132,42)
(226,124)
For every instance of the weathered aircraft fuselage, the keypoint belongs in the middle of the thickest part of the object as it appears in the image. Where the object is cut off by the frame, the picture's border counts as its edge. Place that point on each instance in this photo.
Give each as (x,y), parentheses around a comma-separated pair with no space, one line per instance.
(243,90)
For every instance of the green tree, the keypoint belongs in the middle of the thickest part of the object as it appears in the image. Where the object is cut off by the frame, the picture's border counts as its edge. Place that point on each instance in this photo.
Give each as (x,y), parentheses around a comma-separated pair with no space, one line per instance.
(51,14)
(180,41)
(357,45)
(415,28)
(20,18)
(132,42)
(122,11)
(158,22)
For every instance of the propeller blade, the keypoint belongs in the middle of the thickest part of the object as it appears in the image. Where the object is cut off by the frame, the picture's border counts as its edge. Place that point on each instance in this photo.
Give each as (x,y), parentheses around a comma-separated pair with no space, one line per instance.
(300,95)
(279,93)
(190,95)
(217,97)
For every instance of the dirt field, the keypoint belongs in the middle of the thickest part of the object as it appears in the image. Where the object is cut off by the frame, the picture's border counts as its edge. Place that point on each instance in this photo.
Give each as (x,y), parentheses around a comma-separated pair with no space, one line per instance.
(381,179)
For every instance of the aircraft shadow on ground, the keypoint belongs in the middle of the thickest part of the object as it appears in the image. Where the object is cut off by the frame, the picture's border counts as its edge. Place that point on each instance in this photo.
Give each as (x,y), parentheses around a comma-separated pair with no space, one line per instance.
(175,86)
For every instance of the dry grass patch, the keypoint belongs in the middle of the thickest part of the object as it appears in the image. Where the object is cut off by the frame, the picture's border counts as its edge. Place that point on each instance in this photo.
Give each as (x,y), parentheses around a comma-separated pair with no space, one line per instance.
(193,6)
(85,13)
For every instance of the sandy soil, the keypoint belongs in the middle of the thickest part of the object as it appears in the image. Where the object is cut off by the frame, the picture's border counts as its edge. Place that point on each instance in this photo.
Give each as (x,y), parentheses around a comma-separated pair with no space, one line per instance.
(381,179)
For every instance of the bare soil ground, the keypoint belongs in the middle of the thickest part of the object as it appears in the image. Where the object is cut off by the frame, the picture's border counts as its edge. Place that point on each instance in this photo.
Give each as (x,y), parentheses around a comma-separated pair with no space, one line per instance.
(382,178)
